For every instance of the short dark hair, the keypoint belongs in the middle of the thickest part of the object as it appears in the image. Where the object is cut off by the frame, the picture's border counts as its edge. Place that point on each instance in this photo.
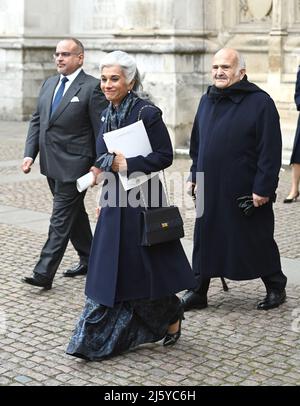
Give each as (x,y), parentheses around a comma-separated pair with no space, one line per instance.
(77,42)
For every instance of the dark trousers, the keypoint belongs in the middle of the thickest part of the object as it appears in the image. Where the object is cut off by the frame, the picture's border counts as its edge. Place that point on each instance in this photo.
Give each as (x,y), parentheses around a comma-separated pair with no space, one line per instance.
(274,282)
(69,221)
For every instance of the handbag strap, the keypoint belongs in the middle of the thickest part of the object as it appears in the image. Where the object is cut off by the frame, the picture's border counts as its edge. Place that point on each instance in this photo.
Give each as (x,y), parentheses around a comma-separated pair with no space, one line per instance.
(164,176)
(141,110)
(165,188)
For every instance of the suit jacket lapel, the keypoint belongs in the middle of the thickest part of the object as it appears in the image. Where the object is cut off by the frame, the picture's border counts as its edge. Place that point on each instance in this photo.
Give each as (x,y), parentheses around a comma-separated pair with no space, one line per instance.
(70,93)
(51,93)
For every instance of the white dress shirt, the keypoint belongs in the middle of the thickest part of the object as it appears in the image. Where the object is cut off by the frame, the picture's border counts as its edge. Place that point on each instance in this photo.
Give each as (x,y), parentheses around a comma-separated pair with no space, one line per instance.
(71,78)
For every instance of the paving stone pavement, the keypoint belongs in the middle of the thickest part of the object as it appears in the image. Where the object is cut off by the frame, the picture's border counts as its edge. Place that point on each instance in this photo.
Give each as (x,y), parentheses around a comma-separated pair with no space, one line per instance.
(229,343)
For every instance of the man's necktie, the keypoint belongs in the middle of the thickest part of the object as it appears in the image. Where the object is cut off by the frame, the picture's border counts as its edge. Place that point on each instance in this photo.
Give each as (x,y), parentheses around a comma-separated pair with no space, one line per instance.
(59,95)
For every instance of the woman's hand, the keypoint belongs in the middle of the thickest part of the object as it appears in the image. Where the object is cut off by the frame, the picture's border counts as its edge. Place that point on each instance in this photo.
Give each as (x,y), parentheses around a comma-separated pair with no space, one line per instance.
(119,163)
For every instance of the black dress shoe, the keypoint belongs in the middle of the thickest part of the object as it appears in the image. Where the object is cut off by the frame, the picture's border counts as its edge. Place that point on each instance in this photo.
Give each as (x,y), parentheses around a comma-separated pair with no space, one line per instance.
(172,338)
(272,300)
(79,269)
(38,280)
(192,300)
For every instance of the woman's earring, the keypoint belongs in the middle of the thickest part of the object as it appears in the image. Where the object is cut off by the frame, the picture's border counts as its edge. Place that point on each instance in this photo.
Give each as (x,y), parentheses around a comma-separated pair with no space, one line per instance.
(129,91)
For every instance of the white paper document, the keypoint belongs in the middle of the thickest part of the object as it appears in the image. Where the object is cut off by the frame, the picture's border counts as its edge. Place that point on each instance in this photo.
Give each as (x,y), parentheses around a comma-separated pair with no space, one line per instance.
(85,181)
(132,141)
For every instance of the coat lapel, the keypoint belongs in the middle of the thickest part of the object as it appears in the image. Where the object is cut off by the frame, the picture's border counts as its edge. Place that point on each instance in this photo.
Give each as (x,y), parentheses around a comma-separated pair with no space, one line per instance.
(68,96)
(51,93)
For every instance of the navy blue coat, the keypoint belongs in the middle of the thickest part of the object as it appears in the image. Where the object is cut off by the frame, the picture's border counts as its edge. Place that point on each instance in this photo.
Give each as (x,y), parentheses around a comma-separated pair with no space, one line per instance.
(236,142)
(295,157)
(120,269)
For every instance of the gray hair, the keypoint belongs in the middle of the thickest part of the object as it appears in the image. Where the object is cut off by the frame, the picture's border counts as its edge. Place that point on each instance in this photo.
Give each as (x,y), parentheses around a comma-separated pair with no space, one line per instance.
(241,64)
(241,60)
(128,65)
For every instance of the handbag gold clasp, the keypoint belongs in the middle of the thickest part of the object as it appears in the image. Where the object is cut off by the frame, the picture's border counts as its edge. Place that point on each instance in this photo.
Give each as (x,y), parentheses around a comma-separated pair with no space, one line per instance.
(164,225)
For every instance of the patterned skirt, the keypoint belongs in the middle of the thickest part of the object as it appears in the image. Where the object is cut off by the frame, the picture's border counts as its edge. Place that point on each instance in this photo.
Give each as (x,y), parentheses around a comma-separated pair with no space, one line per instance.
(103,332)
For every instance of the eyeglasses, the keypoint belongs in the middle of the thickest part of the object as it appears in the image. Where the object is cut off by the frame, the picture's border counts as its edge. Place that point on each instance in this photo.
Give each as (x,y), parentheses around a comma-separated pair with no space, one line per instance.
(64,54)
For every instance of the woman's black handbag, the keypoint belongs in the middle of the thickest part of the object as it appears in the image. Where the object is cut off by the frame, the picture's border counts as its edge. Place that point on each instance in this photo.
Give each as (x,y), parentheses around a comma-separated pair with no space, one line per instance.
(162,224)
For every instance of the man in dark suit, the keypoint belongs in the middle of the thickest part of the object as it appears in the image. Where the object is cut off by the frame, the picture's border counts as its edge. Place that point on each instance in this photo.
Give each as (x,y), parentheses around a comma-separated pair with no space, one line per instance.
(63,130)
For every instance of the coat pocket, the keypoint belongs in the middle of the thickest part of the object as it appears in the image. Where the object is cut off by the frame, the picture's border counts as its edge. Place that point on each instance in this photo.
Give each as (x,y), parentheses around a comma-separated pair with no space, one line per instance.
(240,177)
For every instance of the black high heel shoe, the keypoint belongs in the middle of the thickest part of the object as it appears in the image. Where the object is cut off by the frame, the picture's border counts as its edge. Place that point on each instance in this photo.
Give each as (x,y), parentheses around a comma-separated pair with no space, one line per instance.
(172,338)
(293,199)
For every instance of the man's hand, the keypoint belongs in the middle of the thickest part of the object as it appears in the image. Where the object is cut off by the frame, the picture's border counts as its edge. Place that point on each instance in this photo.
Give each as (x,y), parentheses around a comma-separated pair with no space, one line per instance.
(119,163)
(98,209)
(259,200)
(96,173)
(26,166)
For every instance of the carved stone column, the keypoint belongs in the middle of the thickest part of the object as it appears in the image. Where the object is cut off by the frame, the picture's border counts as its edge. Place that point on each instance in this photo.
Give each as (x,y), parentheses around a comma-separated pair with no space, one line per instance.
(166,38)
(277,40)
(11,30)
(29,31)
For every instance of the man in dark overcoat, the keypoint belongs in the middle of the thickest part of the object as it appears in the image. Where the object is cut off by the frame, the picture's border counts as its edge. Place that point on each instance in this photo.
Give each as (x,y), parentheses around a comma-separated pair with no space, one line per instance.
(236,143)
(63,131)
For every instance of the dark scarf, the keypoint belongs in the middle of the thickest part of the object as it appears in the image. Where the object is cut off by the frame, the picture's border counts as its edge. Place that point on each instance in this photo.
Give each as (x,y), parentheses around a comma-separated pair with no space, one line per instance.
(236,91)
(115,118)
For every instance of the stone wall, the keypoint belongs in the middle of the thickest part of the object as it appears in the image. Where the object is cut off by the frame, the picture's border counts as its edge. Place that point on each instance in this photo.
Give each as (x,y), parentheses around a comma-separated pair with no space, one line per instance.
(167,40)
(172,40)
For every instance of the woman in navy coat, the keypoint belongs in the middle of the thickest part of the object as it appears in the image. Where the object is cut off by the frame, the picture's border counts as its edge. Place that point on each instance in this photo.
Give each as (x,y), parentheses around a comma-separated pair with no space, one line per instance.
(130,289)
(295,157)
